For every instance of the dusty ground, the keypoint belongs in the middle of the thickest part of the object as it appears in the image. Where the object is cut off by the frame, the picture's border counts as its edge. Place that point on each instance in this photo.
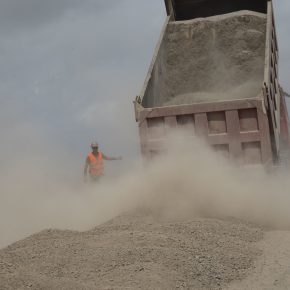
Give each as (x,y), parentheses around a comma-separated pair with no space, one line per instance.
(272,270)
(134,252)
(141,251)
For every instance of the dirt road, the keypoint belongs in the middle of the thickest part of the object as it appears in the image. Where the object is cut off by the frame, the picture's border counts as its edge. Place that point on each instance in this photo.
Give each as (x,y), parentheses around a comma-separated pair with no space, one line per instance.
(272,269)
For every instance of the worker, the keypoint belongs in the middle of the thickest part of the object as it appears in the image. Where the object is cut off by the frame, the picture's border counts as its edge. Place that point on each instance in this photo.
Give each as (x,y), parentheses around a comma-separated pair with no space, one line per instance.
(95,164)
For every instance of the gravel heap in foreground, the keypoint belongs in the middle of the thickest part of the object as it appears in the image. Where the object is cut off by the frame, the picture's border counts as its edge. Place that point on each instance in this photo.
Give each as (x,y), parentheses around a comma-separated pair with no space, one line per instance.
(133,251)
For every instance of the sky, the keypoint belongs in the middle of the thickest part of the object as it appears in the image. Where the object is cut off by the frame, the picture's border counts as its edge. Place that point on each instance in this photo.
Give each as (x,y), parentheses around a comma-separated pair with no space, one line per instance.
(70,70)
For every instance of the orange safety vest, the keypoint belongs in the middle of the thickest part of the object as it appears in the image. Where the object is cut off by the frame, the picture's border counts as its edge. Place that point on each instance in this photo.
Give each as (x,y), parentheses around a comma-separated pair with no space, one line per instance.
(96,164)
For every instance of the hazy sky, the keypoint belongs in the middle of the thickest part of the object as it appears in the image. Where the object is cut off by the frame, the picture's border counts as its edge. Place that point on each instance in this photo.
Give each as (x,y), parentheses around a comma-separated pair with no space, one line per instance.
(70,69)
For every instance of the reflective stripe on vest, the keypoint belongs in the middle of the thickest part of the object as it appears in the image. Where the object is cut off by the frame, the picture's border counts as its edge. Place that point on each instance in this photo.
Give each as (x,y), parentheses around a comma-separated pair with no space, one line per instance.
(96,164)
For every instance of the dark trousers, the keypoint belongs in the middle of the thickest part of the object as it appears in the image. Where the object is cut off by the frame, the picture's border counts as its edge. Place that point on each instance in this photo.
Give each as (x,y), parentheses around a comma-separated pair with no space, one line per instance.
(95,178)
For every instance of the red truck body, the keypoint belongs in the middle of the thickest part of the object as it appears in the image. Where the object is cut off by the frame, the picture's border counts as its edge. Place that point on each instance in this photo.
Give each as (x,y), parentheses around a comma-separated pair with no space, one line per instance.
(252,130)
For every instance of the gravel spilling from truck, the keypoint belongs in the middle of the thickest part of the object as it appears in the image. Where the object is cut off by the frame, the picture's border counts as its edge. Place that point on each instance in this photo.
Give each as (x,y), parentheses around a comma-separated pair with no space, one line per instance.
(211,59)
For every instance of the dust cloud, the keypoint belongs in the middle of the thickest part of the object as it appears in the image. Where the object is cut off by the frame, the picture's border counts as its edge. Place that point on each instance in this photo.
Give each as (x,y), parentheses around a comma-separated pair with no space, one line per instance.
(191,180)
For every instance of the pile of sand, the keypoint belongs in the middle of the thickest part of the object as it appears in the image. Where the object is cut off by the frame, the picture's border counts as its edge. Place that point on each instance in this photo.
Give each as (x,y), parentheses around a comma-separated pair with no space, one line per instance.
(215,58)
(134,251)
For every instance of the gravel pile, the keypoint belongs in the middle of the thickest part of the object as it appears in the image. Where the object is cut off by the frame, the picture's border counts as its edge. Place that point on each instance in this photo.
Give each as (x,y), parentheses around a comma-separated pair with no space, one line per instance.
(134,251)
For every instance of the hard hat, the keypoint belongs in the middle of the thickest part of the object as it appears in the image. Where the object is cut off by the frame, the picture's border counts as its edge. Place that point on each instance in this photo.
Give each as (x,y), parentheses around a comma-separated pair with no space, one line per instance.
(94,145)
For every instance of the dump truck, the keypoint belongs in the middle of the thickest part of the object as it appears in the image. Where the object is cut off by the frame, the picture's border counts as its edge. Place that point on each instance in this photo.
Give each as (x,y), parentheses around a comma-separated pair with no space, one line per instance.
(214,73)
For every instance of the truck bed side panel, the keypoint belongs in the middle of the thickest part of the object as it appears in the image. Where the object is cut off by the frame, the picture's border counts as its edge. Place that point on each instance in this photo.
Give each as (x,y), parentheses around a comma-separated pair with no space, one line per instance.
(238,129)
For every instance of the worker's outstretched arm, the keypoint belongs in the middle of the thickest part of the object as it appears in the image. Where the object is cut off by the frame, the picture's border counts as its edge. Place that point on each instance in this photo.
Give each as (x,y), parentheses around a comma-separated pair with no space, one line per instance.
(86,168)
(111,158)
